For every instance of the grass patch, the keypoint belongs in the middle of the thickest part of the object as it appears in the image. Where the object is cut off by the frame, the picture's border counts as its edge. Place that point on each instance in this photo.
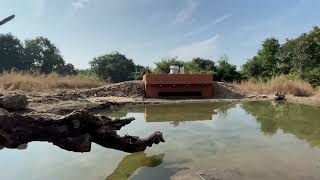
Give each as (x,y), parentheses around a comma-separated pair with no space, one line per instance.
(34,81)
(282,84)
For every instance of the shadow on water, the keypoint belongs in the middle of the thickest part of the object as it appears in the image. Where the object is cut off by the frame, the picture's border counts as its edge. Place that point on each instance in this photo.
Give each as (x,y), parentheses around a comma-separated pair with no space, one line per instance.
(300,120)
(133,162)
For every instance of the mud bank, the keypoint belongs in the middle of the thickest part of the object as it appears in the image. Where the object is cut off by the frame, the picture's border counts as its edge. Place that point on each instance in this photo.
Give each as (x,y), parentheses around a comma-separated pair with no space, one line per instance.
(130,93)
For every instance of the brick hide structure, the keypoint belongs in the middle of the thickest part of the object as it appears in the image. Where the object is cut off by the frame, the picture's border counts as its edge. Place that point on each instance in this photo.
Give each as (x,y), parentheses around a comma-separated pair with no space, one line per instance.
(159,85)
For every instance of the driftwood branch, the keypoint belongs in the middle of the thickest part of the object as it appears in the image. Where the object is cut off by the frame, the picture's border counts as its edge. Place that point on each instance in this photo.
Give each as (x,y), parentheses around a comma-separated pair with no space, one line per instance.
(5,20)
(74,132)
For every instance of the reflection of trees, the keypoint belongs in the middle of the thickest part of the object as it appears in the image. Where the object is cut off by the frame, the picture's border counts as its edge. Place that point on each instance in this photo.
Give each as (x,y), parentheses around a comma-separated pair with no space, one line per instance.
(21,147)
(132,162)
(123,112)
(175,123)
(223,110)
(300,120)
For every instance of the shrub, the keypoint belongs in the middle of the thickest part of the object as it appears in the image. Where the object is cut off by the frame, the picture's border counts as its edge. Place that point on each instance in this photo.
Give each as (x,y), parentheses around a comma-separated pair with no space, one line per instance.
(282,84)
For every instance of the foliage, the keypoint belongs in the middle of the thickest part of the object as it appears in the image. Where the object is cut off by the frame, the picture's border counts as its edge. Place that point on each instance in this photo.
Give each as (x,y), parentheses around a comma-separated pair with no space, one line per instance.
(265,62)
(198,65)
(163,66)
(299,56)
(45,55)
(312,76)
(11,52)
(39,55)
(140,71)
(113,67)
(67,69)
(226,71)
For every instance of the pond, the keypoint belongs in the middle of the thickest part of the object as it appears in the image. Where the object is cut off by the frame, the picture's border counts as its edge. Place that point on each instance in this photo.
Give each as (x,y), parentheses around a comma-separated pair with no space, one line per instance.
(257,140)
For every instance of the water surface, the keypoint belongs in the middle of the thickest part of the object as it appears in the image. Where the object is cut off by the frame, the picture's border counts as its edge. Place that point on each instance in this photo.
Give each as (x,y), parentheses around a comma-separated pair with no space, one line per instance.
(258,140)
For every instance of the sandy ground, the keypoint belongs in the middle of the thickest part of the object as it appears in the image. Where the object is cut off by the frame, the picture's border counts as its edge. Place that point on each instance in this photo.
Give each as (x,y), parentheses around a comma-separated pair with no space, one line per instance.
(131,93)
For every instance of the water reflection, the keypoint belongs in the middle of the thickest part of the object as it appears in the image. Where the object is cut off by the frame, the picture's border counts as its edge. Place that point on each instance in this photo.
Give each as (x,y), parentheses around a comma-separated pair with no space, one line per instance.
(299,120)
(260,139)
(180,113)
(133,162)
(20,147)
(176,114)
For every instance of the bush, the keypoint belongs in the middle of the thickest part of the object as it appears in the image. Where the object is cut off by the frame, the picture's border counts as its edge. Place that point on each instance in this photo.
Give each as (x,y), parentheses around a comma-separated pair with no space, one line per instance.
(312,76)
(282,84)
(113,67)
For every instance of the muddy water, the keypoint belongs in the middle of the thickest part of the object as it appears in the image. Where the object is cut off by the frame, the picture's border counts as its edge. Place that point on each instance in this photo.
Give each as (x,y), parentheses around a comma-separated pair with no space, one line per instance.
(254,140)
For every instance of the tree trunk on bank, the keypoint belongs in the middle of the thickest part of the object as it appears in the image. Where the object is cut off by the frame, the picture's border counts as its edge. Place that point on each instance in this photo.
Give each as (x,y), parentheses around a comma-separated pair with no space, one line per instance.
(73,132)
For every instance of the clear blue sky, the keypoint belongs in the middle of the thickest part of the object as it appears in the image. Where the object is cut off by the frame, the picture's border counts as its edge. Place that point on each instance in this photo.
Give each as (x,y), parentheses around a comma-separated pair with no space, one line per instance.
(148,30)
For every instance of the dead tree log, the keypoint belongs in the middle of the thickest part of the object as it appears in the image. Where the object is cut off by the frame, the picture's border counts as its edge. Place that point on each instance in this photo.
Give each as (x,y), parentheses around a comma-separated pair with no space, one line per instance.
(73,132)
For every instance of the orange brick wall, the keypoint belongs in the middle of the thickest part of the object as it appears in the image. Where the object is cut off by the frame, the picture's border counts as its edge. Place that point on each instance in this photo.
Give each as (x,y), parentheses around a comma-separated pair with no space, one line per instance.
(155,83)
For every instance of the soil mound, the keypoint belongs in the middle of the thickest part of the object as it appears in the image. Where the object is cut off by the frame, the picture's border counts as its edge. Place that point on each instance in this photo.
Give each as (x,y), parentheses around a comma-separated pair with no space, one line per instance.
(122,89)
(223,90)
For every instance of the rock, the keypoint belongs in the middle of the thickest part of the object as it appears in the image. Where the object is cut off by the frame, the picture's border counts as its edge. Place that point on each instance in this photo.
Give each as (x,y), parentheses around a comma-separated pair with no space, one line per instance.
(14,102)
(4,112)
(263,96)
(279,97)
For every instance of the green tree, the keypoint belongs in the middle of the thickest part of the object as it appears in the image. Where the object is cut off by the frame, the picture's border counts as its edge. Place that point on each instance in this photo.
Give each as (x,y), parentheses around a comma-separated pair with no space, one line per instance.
(44,54)
(11,53)
(312,75)
(198,65)
(163,66)
(226,71)
(286,54)
(252,68)
(67,69)
(140,71)
(113,67)
(298,57)
(265,63)
(306,51)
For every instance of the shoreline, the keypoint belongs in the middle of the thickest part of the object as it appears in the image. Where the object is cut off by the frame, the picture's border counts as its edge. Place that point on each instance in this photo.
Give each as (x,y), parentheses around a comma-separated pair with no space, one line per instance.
(118,95)
(98,104)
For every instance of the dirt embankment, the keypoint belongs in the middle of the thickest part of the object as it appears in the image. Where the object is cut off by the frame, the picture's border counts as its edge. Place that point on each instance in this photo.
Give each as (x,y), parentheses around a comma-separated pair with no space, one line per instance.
(223,90)
(105,97)
(132,92)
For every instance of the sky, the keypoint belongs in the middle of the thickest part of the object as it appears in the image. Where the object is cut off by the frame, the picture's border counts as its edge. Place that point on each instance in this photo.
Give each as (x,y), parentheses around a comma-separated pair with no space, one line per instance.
(150,30)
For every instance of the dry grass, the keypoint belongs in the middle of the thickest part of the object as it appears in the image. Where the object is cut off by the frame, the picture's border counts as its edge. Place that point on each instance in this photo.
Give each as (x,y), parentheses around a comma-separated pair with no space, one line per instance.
(280,84)
(318,93)
(36,82)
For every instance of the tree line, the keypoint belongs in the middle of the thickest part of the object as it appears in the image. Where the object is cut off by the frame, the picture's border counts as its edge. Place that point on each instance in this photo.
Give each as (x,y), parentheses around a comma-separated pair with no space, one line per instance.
(297,58)
(38,54)
(221,71)
(42,56)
